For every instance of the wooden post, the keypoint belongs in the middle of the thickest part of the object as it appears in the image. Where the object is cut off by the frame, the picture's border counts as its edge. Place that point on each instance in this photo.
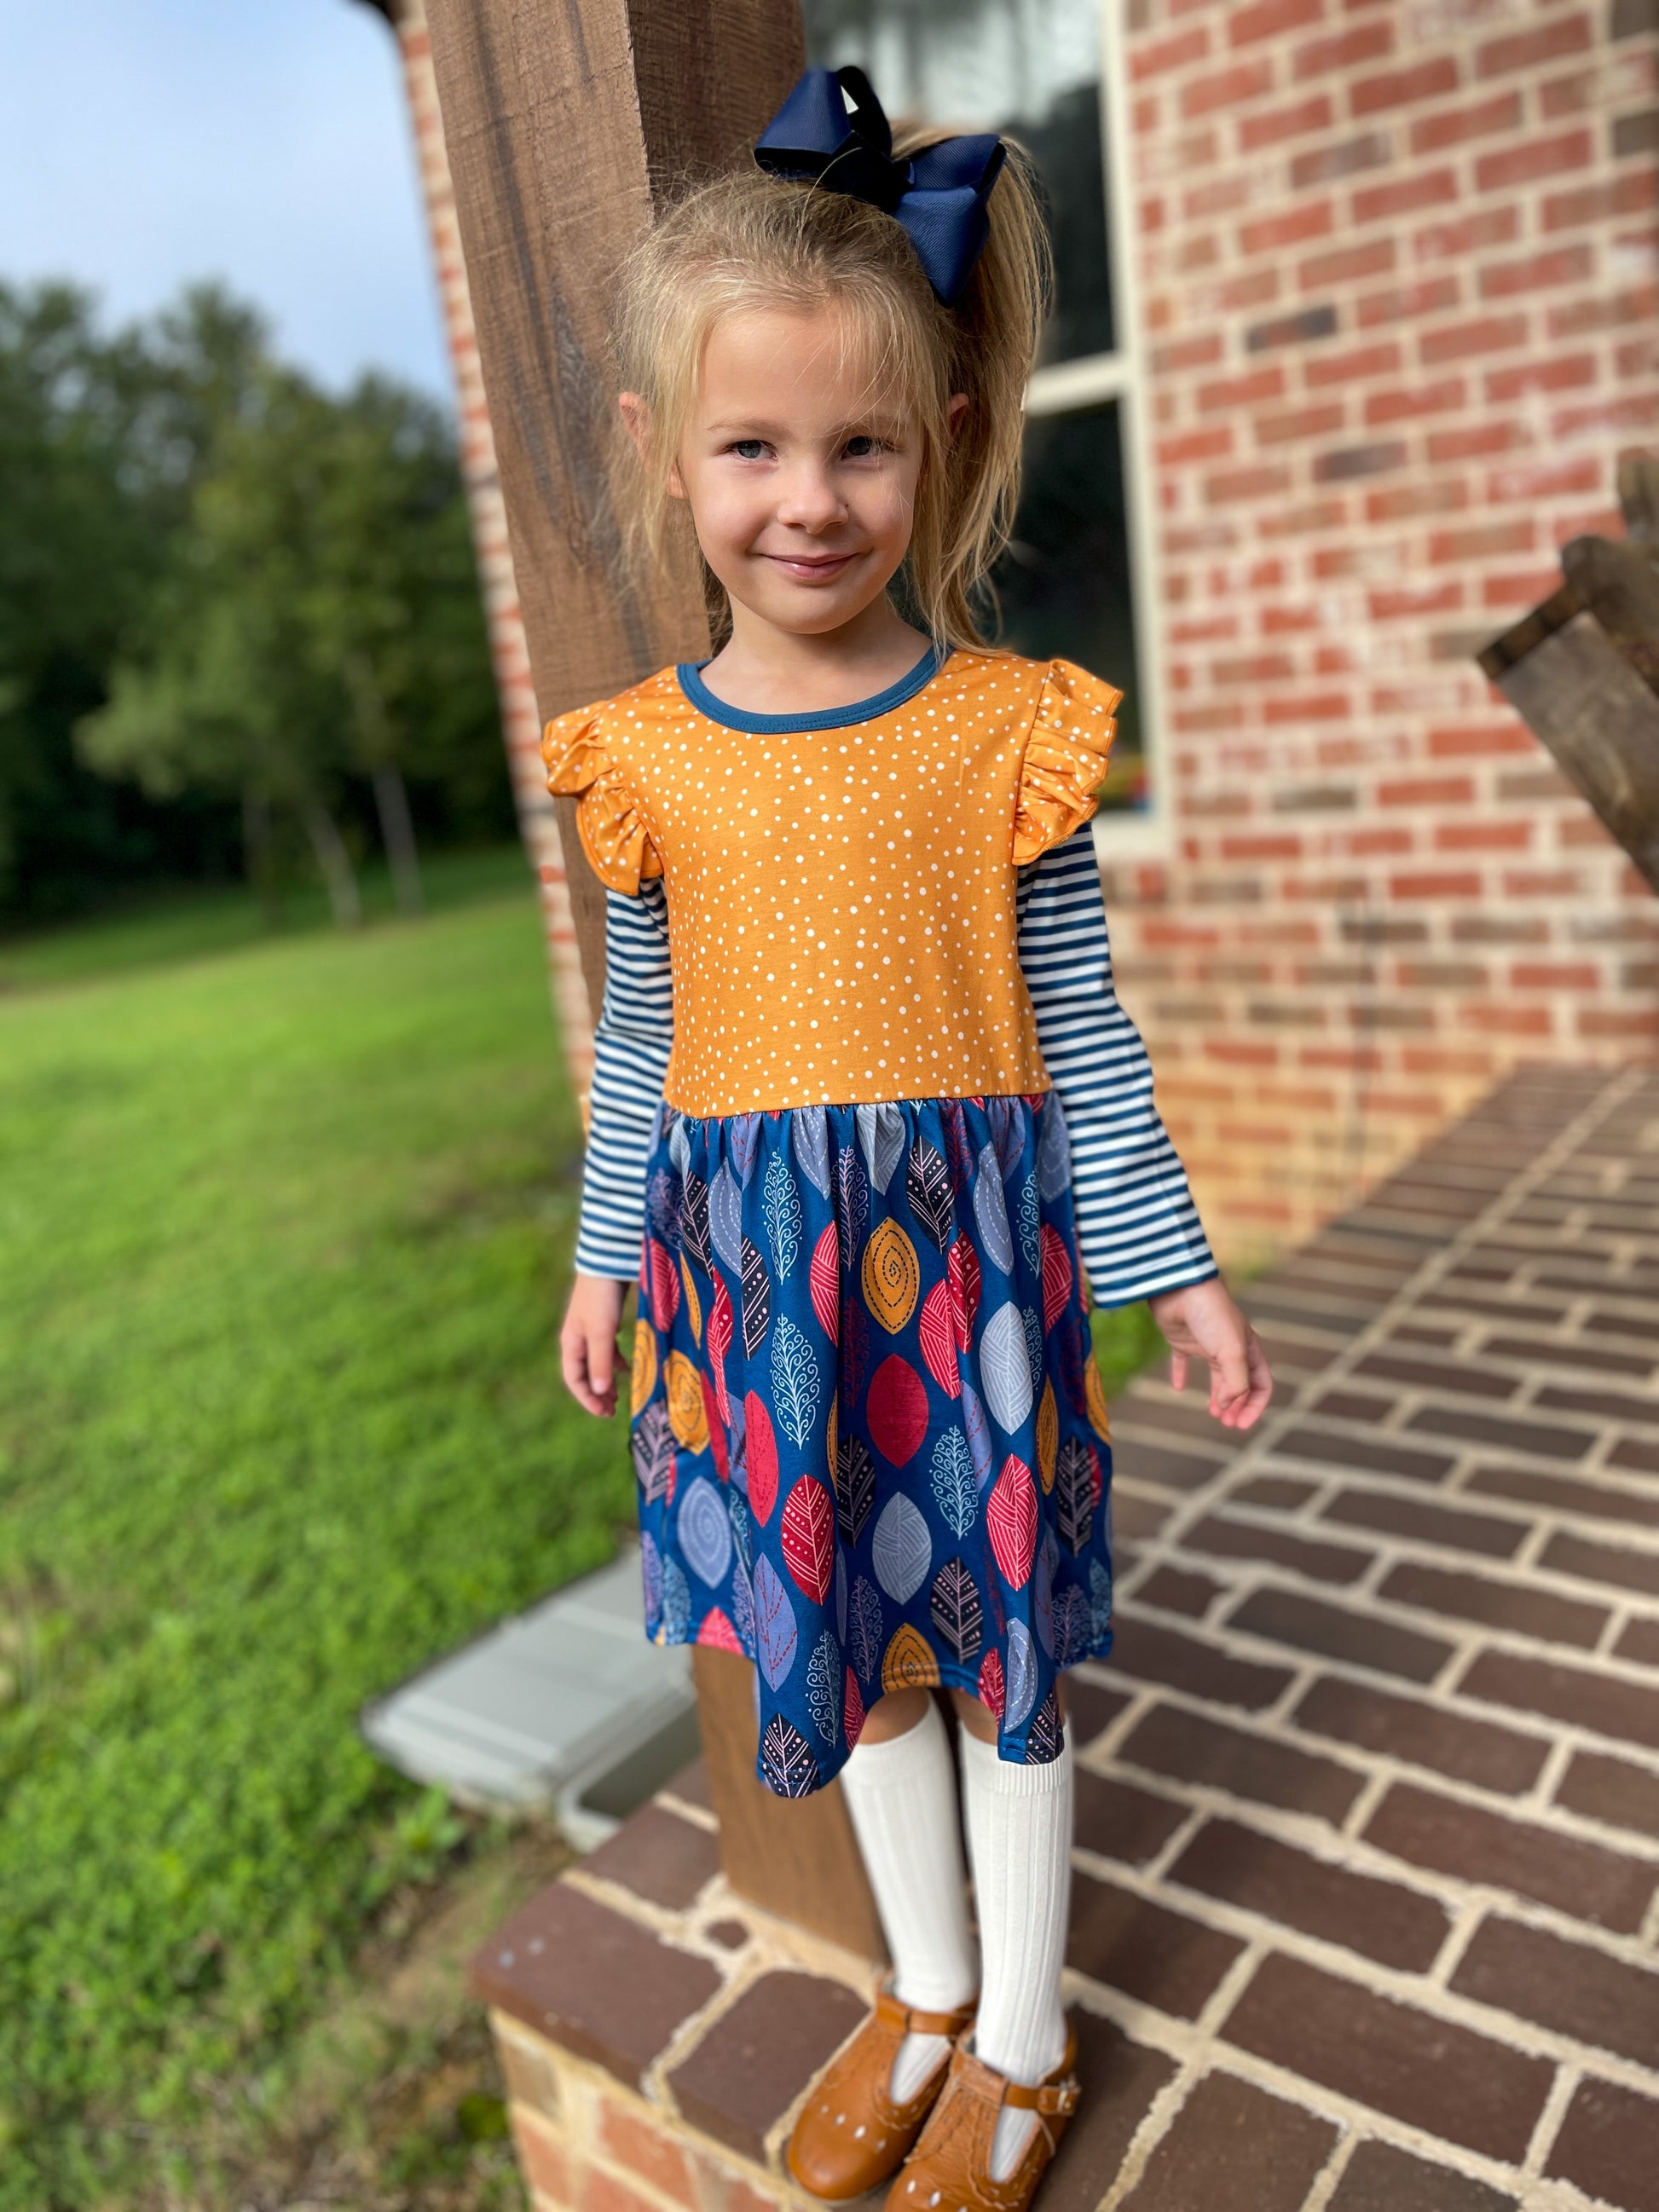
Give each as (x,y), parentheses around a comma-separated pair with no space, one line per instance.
(566,128)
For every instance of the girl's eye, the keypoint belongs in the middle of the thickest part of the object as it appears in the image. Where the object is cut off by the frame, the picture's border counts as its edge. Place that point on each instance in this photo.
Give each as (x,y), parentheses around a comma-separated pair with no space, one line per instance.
(749,449)
(863,447)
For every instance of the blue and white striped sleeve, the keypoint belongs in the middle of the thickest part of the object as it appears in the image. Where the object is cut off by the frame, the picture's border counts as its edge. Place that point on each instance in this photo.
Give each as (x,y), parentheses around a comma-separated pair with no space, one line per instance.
(631,1045)
(1137,1229)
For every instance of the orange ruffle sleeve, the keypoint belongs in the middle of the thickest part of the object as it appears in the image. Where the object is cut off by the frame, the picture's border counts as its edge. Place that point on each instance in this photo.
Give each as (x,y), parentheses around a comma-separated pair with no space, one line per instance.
(1065,756)
(609,815)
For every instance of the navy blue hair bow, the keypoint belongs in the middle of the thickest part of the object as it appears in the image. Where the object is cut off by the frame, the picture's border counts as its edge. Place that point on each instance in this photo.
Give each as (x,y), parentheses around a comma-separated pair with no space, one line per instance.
(939,194)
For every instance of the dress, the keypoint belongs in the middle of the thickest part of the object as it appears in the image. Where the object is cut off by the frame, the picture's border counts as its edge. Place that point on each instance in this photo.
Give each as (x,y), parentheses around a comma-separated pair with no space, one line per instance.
(871,1444)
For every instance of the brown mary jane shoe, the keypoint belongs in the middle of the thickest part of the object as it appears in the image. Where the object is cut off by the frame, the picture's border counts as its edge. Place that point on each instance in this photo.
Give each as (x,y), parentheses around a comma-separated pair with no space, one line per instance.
(852,2136)
(950,2169)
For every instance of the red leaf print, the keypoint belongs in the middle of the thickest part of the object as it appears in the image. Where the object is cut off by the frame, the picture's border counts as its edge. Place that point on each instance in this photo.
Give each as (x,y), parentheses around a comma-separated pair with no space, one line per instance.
(717,1631)
(991,1691)
(1056,1275)
(1010,1516)
(962,1271)
(853,1714)
(1096,1477)
(761,1454)
(665,1284)
(719,1343)
(711,1414)
(937,1329)
(824,1281)
(897,1409)
(807,1535)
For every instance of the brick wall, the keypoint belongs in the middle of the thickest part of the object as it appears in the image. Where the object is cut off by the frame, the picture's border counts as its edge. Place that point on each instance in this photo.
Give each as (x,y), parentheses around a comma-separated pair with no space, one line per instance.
(1398,267)
(521,723)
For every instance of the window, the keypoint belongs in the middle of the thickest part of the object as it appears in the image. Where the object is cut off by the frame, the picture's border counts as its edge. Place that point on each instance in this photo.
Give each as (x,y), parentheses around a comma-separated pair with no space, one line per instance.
(1075,579)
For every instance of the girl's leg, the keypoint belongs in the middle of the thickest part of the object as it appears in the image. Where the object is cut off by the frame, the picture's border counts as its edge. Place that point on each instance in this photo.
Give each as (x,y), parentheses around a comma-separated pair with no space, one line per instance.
(902,1795)
(1019,1842)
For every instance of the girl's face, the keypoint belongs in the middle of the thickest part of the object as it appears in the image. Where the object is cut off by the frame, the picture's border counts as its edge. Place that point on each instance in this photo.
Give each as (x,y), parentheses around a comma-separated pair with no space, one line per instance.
(802,486)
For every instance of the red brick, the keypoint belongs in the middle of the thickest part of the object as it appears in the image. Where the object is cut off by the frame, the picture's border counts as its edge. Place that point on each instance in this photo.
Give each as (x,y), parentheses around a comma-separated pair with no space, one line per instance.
(1160,1957)
(1515,1605)
(1232,2143)
(1265,19)
(1536,157)
(1324,164)
(1583,1697)
(1429,2073)
(542,2154)
(646,2150)
(1569,1987)
(1488,334)
(1442,241)
(1374,258)
(1631,194)
(1403,196)
(1401,405)
(1380,1919)
(600,2190)
(1483,540)
(1271,233)
(1612,1791)
(1442,497)
(1429,79)
(1243,391)
(1483,836)
(1447,885)
(1608,2143)
(1225,88)
(1453,126)
(1406,302)
(1380,358)
(1191,44)
(1503,385)
(1299,424)
(1567,265)
(1567,34)
(1381,2177)
(1539,480)
(1366,42)
(1583,1880)
(1272,127)
(1212,444)
(1427,791)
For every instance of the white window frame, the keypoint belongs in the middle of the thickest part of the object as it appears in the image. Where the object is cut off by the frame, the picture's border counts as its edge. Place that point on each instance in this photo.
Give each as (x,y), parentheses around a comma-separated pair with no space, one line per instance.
(1121,376)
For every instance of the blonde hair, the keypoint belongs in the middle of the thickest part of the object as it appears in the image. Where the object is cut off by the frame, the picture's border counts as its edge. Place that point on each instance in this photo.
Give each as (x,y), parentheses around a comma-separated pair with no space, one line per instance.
(749,241)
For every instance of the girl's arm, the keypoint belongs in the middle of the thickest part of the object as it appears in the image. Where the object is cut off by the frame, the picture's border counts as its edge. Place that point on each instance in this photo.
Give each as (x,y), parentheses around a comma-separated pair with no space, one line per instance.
(631,1045)
(1137,1229)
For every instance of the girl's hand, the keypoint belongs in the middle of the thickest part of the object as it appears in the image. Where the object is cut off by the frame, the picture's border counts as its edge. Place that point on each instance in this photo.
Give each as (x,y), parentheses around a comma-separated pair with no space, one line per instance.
(1202,1322)
(587,1342)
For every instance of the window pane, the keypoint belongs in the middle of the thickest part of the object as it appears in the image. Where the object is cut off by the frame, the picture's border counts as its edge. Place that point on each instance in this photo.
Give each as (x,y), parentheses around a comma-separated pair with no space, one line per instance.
(1064,583)
(1028,67)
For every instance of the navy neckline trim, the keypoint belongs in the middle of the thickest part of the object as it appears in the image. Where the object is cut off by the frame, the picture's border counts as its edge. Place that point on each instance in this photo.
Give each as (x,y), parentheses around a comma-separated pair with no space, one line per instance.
(827,718)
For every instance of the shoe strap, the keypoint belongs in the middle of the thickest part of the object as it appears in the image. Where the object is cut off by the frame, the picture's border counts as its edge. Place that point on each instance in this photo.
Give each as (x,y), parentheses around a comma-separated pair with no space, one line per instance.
(910,2020)
(1049,2097)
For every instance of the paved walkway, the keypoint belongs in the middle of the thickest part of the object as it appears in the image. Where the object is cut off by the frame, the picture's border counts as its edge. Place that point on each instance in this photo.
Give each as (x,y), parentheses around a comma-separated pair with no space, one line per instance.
(1369,1836)
(1365,1914)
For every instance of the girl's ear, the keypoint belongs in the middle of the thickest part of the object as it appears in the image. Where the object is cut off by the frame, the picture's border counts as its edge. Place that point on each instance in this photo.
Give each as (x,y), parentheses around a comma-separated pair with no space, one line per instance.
(637,416)
(955,408)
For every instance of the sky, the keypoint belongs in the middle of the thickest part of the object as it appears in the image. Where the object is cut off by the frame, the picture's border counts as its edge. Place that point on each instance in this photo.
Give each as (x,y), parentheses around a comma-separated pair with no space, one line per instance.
(146,144)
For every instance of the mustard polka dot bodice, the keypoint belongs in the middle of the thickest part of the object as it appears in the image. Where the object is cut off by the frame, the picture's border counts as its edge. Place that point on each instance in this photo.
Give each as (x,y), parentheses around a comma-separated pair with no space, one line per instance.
(841,894)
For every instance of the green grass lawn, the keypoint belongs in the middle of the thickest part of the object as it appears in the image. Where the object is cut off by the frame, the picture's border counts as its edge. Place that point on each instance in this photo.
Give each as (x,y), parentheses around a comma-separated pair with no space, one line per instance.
(284,1232)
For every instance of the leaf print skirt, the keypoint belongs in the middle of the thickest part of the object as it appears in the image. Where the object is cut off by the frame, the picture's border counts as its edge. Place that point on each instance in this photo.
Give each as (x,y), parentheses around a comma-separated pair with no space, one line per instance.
(870,1435)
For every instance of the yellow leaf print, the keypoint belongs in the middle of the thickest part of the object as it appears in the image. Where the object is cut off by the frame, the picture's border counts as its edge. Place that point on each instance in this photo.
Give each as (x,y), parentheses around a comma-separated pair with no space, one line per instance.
(694,1311)
(1095,1391)
(1048,1436)
(645,1362)
(909,1664)
(686,1416)
(892,1277)
(829,1440)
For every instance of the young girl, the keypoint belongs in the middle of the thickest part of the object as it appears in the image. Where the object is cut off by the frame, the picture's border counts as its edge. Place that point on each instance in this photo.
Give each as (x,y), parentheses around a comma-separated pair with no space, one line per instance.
(864,1106)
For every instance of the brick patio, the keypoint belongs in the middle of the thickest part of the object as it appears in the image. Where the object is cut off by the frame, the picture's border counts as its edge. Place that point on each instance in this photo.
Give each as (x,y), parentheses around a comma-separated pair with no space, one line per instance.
(1365,1909)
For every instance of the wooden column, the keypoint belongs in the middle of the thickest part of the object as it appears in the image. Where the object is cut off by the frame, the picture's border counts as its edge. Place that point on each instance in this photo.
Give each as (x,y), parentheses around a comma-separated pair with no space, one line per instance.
(567,126)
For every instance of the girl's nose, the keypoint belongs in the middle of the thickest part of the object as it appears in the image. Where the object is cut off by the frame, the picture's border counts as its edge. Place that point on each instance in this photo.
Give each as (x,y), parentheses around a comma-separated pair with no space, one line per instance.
(808,500)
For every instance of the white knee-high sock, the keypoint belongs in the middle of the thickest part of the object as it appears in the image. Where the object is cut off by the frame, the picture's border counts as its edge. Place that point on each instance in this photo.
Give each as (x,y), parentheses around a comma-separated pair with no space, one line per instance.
(902,1797)
(1019,1842)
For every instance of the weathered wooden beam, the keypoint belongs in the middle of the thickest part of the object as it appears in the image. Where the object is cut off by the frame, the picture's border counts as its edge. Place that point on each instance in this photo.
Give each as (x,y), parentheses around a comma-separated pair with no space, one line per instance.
(1591,706)
(567,126)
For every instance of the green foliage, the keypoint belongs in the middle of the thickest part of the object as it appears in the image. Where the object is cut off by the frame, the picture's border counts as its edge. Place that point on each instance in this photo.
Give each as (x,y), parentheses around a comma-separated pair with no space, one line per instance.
(284,1236)
(247,595)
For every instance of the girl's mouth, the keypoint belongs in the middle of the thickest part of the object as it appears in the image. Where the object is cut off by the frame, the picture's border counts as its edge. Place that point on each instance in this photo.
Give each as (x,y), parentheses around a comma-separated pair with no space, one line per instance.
(811,567)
